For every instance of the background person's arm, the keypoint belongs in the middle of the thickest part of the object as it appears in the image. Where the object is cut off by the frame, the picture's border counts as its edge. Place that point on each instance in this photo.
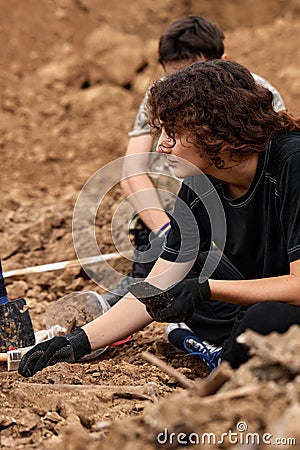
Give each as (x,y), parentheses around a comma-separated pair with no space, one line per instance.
(139,189)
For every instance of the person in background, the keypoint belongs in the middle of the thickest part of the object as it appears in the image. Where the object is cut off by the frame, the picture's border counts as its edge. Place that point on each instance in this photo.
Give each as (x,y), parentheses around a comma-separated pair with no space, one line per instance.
(185,41)
(239,160)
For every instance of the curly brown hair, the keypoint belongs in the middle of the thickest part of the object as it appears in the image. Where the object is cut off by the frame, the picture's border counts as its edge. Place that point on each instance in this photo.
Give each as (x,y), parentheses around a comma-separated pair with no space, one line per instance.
(220,108)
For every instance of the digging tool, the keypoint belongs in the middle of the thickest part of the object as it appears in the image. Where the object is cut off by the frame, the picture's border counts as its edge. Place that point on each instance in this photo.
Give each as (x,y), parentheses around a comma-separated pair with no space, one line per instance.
(15,325)
(62,265)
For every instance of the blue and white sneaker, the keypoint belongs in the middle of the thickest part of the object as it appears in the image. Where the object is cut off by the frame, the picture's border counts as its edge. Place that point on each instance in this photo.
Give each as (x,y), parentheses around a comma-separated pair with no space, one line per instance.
(183,338)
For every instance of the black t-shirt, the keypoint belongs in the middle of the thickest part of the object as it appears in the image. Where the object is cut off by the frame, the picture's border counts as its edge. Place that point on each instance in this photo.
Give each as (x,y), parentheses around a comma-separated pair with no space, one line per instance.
(260,231)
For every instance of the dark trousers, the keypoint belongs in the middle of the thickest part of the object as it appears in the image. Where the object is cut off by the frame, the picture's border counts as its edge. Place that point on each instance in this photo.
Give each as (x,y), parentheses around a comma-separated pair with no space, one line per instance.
(220,322)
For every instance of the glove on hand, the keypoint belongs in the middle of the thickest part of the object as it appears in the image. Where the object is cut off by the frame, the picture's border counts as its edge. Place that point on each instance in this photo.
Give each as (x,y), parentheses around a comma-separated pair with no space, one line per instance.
(69,348)
(173,305)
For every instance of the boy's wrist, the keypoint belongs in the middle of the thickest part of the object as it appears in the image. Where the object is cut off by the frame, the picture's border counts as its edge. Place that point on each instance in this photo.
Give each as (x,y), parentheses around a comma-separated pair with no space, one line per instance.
(80,343)
(164,230)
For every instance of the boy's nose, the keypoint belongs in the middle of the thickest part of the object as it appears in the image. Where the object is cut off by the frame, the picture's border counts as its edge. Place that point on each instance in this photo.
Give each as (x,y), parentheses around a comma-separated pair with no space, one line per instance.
(162,144)
(161,149)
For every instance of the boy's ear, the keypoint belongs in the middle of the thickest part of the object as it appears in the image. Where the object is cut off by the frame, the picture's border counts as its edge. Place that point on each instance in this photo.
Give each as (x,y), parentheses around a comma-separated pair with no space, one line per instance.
(224,56)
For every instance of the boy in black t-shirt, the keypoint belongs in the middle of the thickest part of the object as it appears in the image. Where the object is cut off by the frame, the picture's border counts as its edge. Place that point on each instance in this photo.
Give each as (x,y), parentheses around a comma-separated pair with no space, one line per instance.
(240,162)
(145,177)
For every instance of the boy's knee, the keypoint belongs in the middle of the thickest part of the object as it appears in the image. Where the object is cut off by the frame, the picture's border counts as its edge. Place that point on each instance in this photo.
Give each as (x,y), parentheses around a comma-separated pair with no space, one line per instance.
(266,317)
(263,318)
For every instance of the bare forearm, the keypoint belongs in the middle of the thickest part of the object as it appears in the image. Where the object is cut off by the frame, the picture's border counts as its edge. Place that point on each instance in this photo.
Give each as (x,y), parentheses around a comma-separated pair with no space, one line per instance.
(248,292)
(142,195)
(126,317)
(154,218)
(138,186)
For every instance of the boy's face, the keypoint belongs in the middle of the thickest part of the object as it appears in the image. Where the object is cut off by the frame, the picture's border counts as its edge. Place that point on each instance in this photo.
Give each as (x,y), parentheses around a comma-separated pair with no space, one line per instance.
(183,157)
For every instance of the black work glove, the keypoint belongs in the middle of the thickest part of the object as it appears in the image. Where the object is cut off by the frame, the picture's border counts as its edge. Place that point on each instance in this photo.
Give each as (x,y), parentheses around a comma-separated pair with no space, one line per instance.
(69,348)
(176,304)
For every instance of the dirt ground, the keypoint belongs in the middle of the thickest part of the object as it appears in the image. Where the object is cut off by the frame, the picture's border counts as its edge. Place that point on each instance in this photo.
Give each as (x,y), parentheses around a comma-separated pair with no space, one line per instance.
(72,74)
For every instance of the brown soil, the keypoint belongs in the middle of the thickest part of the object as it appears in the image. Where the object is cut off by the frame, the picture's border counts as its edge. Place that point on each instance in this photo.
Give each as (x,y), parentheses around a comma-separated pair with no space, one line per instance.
(72,73)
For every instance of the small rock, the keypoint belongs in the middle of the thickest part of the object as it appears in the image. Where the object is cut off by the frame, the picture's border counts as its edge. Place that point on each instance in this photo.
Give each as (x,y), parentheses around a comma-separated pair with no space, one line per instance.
(17,289)
(6,421)
(28,422)
(53,417)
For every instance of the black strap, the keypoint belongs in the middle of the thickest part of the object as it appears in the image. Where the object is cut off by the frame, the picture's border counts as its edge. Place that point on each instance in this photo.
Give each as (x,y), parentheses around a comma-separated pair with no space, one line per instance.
(2,283)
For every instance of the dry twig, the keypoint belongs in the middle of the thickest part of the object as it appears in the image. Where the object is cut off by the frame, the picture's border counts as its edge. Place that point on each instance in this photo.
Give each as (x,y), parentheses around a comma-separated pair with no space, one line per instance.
(233,393)
(182,379)
(214,382)
(148,391)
